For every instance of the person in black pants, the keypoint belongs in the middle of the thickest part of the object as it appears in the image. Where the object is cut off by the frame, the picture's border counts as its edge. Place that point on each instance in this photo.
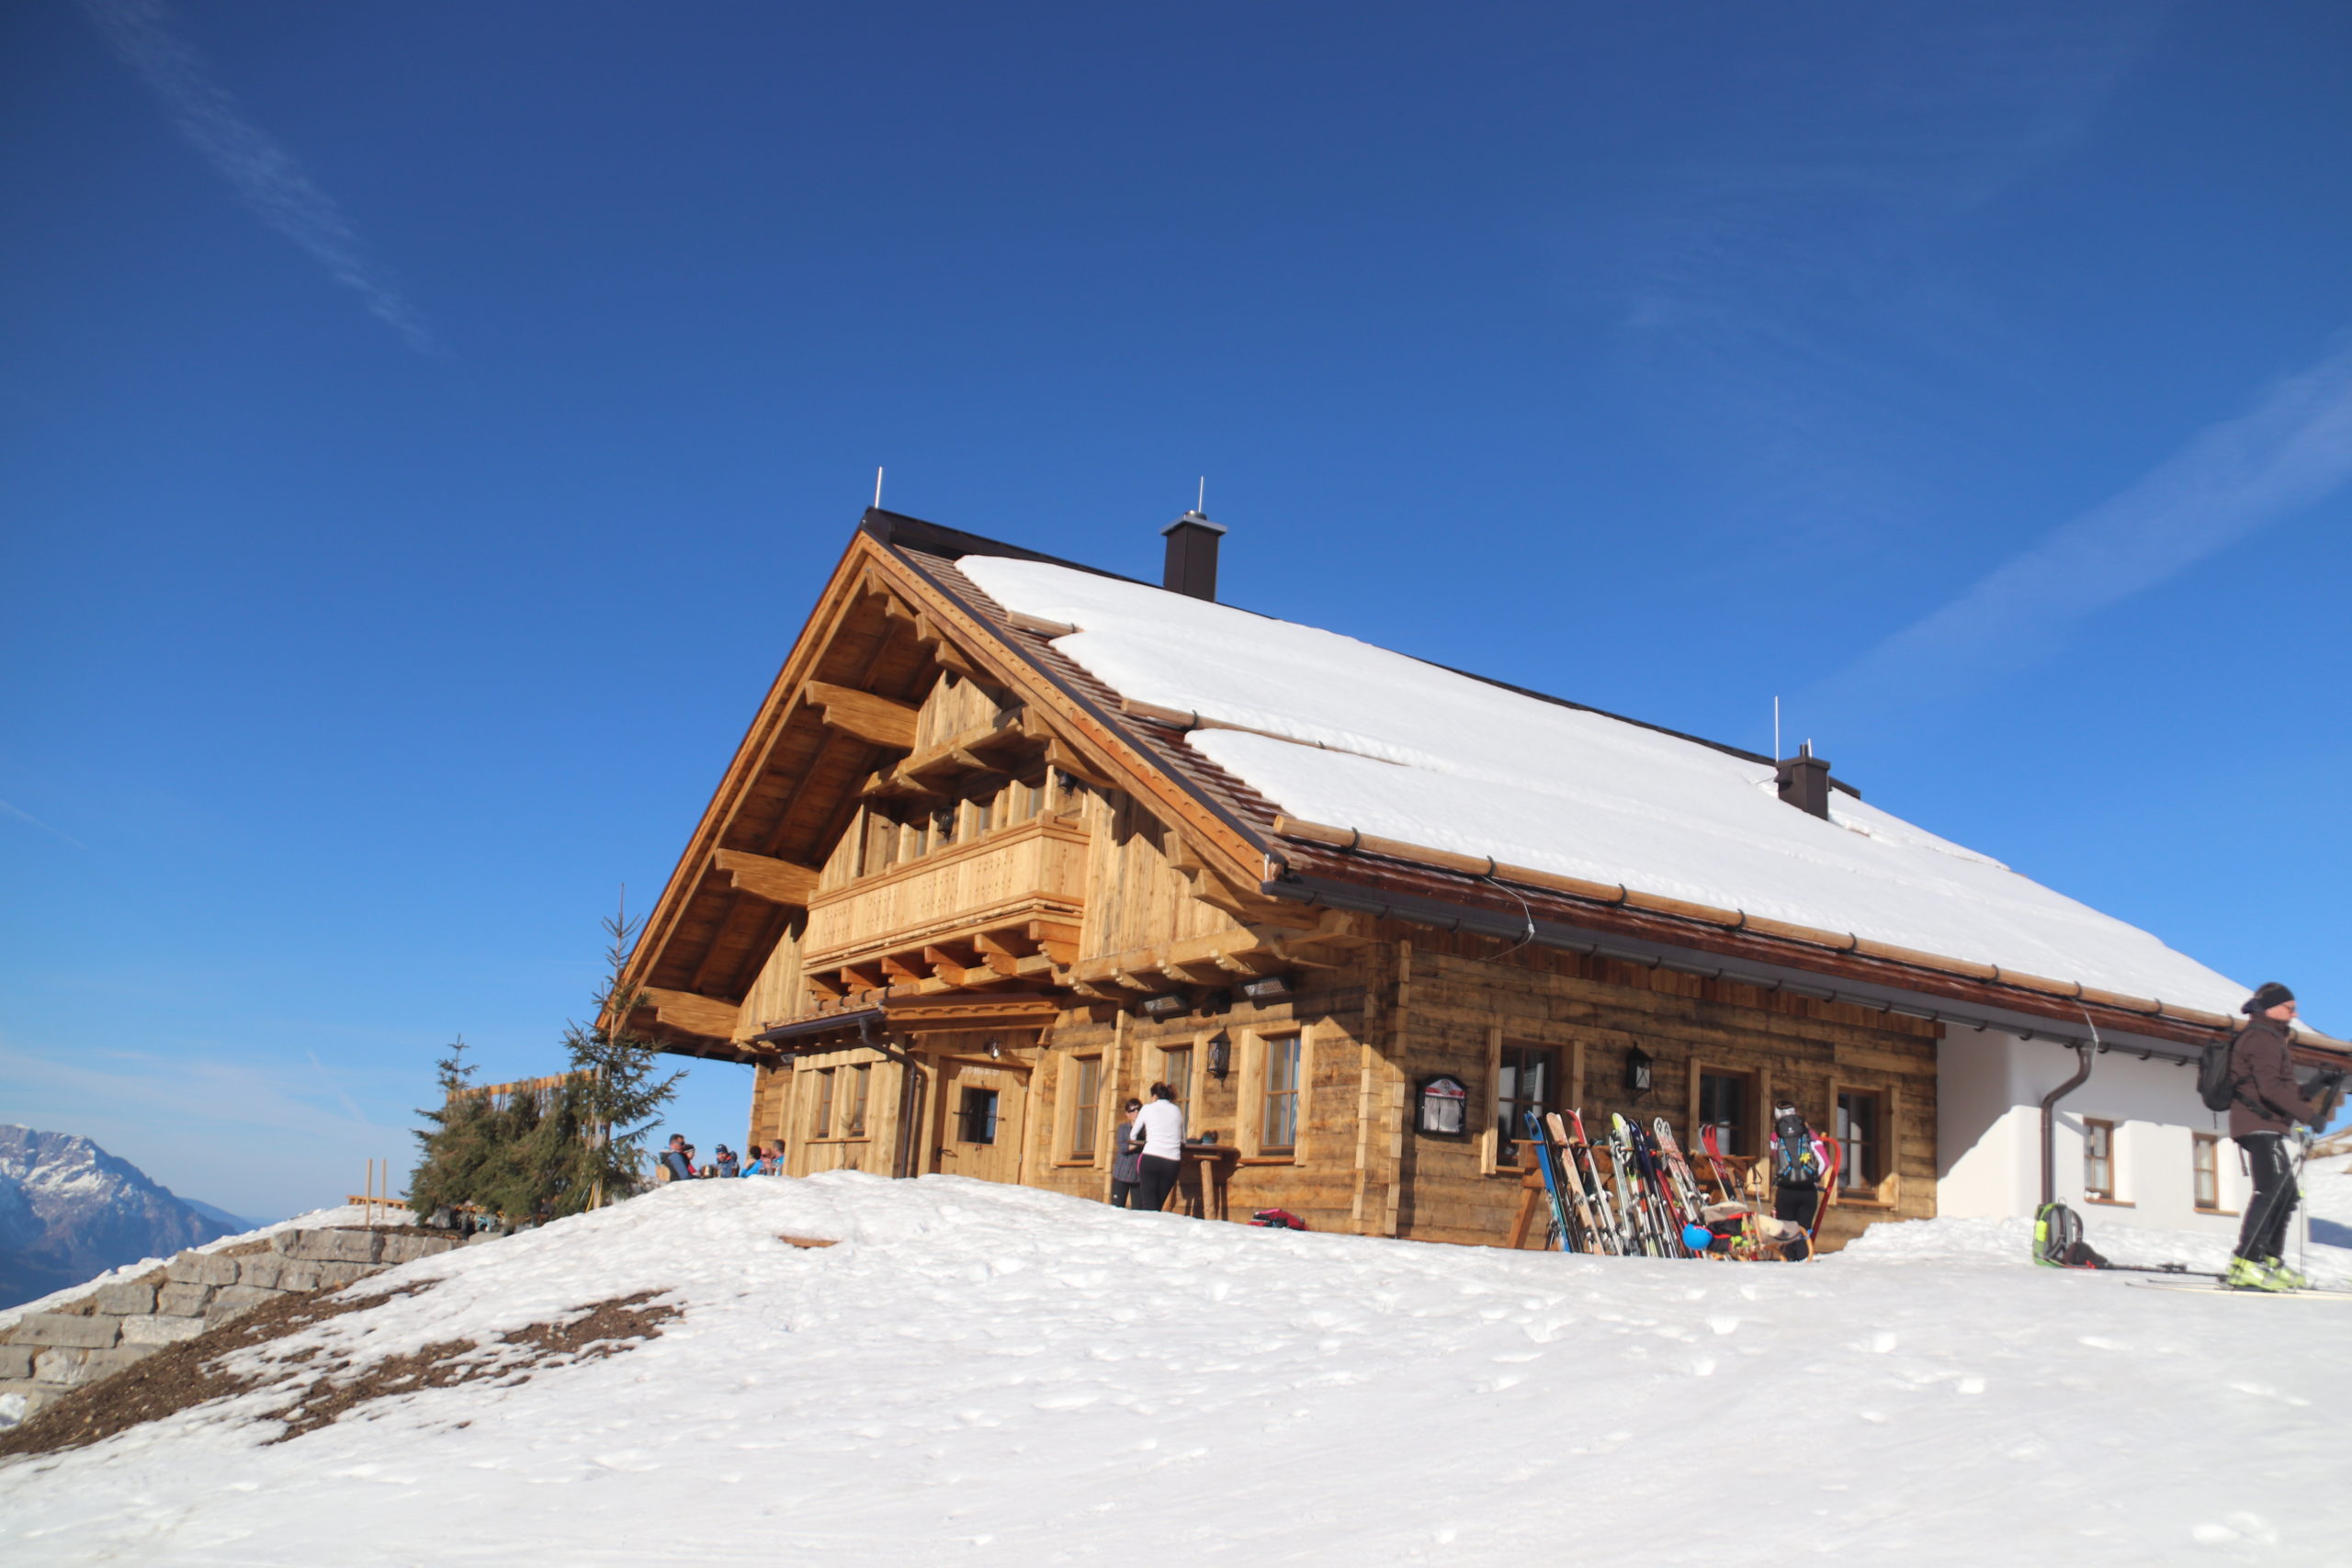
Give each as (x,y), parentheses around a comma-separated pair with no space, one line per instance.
(1127,1153)
(2266,1104)
(1160,1126)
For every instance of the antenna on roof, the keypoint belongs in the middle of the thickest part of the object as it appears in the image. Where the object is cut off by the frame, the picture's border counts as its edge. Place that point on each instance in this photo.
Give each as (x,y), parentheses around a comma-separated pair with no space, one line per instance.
(1775,726)
(878,487)
(1201,504)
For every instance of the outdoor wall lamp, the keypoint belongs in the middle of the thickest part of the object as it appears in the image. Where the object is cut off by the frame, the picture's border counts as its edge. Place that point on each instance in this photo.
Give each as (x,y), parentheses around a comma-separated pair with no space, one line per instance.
(995,1051)
(1637,1071)
(1220,1054)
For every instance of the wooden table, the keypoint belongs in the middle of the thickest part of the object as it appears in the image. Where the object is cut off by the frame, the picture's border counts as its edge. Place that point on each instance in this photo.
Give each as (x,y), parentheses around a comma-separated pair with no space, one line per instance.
(1205,1172)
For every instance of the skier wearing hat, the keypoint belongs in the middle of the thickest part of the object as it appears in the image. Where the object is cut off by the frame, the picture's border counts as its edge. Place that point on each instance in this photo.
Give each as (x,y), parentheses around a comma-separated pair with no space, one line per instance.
(2266,1104)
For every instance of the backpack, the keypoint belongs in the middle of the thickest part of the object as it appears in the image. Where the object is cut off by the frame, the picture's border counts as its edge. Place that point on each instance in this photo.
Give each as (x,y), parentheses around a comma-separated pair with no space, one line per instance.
(2058,1239)
(1795,1161)
(2216,1075)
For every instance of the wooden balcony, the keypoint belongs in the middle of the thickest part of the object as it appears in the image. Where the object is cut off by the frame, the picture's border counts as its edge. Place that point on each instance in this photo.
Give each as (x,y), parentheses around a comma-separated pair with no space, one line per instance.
(1032,872)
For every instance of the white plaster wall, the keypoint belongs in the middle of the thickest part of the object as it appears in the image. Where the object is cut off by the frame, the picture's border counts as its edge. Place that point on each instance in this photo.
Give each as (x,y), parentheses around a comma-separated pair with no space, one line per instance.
(1988,1133)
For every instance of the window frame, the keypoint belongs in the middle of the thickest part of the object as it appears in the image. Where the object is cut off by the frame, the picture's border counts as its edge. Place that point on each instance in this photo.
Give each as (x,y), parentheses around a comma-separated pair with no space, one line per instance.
(1749,1129)
(2106,1142)
(821,1113)
(1082,1139)
(969,1093)
(1873,1140)
(1503,1144)
(861,1085)
(2205,1160)
(1182,1082)
(1254,1094)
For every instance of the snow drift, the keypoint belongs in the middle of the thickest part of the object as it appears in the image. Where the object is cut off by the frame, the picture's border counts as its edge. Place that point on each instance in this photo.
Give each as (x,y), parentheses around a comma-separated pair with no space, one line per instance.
(991,1374)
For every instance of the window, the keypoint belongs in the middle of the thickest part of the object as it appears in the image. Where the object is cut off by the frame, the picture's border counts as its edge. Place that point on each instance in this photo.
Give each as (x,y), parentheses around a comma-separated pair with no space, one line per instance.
(853,1116)
(1724,1100)
(2205,1155)
(983,814)
(1857,1140)
(1527,1077)
(824,1104)
(2099,1159)
(1176,1072)
(1086,1099)
(976,1116)
(1278,1115)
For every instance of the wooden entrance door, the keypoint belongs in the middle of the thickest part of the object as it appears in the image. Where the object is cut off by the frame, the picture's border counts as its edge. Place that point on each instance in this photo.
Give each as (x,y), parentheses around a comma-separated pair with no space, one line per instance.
(982,1112)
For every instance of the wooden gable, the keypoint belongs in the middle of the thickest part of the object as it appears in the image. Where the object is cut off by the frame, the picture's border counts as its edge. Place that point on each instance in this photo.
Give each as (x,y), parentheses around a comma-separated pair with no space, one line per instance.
(910,706)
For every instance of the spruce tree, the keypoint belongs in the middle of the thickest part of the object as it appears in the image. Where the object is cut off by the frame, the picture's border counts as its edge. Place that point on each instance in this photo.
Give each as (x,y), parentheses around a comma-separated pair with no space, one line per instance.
(463,1142)
(614,1088)
(539,1154)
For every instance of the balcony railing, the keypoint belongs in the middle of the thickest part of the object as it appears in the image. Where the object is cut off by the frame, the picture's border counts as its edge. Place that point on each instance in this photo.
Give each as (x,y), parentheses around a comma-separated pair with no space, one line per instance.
(1034,871)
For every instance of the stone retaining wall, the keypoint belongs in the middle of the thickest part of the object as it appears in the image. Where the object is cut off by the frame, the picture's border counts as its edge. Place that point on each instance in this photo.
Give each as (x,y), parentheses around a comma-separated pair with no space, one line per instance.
(44,1354)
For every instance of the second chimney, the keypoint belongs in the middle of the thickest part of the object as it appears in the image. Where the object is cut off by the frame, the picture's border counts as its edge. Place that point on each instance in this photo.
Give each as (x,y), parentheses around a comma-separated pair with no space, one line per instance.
(1192,555)
(1804,781)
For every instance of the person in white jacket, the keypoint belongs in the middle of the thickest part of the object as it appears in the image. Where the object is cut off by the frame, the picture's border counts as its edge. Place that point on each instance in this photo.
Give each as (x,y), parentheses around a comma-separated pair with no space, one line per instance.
(1160,1126)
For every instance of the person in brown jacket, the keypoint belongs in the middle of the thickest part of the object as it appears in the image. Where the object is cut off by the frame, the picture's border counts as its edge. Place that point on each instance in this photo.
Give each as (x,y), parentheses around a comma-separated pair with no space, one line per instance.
(2266,1104)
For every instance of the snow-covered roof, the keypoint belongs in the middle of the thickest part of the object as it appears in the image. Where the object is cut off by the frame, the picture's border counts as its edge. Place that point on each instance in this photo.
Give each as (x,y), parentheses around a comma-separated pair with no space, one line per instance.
(1432,757)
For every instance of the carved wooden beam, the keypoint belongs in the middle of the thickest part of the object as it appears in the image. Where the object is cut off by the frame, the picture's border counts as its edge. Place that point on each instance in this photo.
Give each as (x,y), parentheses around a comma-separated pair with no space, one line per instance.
(764,876)
(691,1014)
(1062,755)
(864,714)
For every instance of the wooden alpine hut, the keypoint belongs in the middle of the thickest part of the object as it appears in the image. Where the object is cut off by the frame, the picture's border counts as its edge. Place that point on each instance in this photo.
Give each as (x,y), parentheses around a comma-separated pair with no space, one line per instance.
(1011,838)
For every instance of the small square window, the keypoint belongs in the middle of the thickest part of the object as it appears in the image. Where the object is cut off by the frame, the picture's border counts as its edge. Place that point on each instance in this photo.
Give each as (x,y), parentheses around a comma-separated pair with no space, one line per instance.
(976,1117)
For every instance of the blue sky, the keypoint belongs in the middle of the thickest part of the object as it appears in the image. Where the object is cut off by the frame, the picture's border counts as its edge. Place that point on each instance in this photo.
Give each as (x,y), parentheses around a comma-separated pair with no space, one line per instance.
(426,427)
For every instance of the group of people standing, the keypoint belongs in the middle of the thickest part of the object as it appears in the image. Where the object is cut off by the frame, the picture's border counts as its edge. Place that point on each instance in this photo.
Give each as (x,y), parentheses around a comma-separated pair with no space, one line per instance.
(677,1162)
(1148,1151)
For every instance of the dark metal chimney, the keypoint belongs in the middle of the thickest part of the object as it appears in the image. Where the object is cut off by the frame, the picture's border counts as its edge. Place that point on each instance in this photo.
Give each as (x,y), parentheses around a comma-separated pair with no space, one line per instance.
(1192,555)
(1804,781)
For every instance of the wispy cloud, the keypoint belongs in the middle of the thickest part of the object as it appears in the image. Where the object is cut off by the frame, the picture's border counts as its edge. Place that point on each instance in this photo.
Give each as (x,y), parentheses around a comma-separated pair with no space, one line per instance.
(1789,295)
(23,815)
(2290,451)
(264,174)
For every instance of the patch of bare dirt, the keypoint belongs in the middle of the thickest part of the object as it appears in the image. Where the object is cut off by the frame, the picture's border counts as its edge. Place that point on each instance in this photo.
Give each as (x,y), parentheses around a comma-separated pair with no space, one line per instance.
(178,1378)
(610,1326)
(189,1374)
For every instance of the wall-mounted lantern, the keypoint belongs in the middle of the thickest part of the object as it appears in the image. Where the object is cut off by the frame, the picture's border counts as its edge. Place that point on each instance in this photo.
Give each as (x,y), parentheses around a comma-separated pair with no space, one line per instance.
(1220,1054)
(1443,1107)
(1637,1071)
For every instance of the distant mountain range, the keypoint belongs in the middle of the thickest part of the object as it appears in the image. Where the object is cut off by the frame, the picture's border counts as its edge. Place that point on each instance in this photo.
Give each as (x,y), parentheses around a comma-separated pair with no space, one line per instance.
(69,1210)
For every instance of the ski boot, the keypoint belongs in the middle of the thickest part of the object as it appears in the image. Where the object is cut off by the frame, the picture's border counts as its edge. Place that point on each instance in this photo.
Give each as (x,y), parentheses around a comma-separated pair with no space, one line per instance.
(2283,1278)
(2245,1274)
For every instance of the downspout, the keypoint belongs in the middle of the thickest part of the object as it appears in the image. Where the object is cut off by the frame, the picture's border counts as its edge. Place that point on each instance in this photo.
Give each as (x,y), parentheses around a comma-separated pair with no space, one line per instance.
(2050,1122)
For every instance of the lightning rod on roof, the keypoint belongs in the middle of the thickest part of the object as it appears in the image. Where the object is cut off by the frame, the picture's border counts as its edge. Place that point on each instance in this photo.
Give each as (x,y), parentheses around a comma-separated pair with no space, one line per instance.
(1201,504)
(1776,726)
(878,487)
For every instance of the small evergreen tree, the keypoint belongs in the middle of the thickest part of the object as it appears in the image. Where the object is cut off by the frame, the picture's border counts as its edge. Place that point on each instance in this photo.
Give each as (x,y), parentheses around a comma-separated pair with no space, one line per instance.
(463,1142)
(535,1154)
(617,1092)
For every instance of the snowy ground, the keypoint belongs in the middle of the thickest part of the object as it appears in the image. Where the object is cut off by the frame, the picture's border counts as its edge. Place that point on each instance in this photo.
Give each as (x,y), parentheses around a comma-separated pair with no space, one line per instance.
(991,1374)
